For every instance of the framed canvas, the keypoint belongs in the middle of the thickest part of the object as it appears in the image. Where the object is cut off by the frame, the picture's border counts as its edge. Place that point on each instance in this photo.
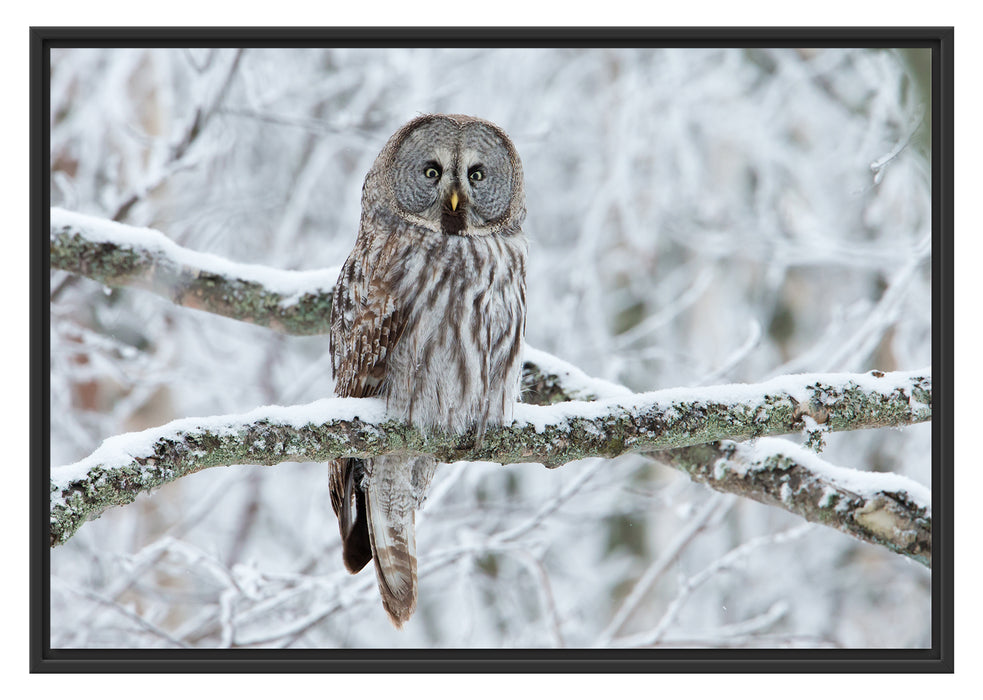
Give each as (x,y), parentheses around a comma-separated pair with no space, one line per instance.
(733,250)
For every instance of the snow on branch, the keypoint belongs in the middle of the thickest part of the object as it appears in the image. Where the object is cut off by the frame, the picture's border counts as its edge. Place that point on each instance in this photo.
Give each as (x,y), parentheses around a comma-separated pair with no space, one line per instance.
(573,415)
(118,255)
(287,301)
(881,508)
(129,464)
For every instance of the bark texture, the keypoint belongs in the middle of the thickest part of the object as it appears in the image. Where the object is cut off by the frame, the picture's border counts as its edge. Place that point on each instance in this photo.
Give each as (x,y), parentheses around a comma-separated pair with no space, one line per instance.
(550,435)
(893,516)
(567,416)
(132,264)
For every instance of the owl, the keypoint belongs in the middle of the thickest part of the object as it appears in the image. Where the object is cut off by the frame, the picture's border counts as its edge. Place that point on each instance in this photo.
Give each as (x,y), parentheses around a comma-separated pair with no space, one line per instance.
(429,314)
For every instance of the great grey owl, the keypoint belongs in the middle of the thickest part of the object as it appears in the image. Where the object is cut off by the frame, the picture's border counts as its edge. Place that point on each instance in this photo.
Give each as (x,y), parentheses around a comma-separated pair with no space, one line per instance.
(429,314)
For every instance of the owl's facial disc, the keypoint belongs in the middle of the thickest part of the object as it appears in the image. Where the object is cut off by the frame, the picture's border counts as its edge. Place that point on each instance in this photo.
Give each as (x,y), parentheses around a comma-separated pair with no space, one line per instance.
(453,178)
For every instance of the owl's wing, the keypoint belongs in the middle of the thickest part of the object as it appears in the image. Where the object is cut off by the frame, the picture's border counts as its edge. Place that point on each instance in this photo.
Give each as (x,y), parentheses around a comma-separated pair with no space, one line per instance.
(366,324)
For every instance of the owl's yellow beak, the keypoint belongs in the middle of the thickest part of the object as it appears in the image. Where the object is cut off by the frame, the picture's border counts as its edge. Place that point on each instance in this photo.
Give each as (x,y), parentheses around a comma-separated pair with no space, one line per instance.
(454,200)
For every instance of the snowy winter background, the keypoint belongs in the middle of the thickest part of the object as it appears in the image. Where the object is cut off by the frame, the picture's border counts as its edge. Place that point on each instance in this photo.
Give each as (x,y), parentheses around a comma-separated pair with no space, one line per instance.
(695,217)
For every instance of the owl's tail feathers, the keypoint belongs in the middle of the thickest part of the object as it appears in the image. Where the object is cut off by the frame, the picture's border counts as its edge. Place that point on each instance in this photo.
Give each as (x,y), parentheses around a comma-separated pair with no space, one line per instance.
(345,493)
(391,532)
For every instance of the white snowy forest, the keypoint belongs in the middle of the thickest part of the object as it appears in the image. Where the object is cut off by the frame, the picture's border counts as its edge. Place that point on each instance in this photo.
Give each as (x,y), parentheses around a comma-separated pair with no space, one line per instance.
(696,217)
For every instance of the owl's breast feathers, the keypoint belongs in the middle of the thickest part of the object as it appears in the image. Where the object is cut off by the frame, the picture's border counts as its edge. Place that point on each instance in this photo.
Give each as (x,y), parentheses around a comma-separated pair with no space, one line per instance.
(433,324)
(457,363)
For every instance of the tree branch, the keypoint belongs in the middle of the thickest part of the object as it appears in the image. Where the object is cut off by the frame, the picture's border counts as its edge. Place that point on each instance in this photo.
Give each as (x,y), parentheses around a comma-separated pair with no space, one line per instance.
(286,301)
(881,508)
(552,435)
(117,255)
(589,417)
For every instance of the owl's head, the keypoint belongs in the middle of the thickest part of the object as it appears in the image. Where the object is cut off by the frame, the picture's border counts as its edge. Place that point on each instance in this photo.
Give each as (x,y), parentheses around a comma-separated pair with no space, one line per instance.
(453,174)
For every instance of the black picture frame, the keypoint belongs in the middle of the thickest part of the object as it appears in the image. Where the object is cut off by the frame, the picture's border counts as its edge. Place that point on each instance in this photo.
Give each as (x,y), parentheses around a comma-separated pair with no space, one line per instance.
(939,658)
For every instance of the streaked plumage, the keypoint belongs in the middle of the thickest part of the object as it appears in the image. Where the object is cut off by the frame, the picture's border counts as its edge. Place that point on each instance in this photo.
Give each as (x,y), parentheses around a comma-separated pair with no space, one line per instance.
(429,314)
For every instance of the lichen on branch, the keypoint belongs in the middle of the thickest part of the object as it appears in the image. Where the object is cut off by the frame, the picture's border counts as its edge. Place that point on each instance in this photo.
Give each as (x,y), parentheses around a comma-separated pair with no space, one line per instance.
(566,414)
(117,255)
(553,435)
(881,508)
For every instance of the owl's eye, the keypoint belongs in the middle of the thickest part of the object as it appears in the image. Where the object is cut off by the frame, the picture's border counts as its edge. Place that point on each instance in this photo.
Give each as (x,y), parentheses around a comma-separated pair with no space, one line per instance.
(476,175)
(431,172)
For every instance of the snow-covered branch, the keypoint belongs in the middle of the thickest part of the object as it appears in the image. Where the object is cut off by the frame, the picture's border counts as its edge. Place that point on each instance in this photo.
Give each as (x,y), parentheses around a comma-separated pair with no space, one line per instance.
(127,465)
(118,255)
(881,508)
(292,302)
(589,418)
